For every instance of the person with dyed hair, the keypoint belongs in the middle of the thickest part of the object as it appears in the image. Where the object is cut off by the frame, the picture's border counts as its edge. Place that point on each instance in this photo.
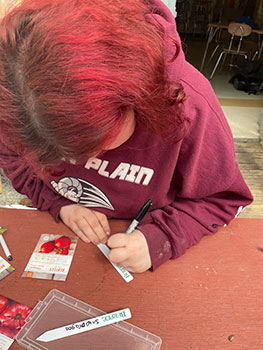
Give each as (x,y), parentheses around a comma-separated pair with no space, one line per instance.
(99,112)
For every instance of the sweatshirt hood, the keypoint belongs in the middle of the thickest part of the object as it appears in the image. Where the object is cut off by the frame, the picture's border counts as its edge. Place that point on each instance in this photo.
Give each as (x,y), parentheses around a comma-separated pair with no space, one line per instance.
(165,18)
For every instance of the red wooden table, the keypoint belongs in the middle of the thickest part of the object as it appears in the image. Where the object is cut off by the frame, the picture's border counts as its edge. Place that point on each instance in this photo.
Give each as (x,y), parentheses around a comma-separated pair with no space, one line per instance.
(210,298)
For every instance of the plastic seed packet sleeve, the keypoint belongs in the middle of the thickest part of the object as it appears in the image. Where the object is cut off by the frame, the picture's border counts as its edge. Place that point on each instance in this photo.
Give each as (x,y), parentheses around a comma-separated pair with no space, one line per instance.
(59,309)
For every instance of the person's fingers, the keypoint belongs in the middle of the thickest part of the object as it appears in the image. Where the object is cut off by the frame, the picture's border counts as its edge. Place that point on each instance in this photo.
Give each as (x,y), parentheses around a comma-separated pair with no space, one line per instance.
(89,225)
(127,265)
(130,251)
(118,255)
(104,222)
(84,230)
(117,240)
(74,227)
(95,225)
(134,267)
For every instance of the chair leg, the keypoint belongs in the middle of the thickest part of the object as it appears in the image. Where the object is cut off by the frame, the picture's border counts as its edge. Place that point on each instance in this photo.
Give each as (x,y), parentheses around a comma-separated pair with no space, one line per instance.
(216,65)
(255,55)
(224,60)
(213,54)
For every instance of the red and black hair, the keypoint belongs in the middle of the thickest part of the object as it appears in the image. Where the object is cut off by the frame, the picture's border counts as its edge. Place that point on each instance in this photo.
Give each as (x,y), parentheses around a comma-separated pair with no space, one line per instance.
(70,70)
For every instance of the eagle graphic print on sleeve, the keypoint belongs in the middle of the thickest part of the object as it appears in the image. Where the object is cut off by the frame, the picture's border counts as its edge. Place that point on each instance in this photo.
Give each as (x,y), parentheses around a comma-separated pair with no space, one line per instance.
(82,192)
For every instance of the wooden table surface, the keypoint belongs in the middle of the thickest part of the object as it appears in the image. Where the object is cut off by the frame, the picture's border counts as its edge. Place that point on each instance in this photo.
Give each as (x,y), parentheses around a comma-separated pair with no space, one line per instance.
(195,302)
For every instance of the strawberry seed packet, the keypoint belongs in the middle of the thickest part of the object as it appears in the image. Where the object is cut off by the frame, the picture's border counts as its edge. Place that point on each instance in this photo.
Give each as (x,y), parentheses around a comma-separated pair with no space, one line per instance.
(51,258)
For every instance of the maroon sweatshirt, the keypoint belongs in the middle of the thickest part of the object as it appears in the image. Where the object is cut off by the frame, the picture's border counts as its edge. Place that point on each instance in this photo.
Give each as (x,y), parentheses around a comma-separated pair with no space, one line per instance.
(195,185)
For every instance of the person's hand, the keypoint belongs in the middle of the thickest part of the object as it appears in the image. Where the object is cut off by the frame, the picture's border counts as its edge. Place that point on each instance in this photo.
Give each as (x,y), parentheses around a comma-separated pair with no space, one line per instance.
(89,225)
(130,251)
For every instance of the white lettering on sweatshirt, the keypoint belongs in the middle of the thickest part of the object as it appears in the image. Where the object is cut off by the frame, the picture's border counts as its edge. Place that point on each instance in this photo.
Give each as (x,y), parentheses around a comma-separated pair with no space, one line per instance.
(124,171)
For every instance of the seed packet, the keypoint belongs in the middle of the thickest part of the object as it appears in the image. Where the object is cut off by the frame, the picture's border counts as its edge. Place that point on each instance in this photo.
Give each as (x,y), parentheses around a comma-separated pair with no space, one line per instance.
(51,258)
(12,319)
(5,269)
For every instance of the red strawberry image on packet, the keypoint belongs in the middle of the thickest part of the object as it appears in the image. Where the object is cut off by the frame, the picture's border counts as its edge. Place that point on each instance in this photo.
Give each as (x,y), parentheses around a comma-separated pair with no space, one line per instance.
(59,246)
(47,247)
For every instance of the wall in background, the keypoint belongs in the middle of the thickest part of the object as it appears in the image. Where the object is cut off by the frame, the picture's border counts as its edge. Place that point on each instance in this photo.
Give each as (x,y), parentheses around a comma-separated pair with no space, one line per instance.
(258,14)
(194,15)
(171,4)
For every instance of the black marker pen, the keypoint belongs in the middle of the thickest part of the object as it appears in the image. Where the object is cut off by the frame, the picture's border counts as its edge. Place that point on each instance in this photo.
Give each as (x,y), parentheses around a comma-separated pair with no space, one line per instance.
(139,217)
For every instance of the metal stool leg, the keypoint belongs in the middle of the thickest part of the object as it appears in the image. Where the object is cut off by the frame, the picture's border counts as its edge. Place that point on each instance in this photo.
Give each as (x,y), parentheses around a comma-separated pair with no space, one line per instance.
(255,55)
(213,54)
(216,65)
(211,33)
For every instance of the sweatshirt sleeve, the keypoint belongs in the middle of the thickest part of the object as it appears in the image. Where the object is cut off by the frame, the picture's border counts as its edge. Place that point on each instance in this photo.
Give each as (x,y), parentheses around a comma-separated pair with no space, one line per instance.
(211,188)
(25,182)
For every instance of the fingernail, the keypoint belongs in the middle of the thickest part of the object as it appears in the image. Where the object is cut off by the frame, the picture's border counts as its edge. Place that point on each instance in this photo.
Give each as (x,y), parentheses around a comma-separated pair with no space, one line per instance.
(96,241)
(104,240)
(107,233)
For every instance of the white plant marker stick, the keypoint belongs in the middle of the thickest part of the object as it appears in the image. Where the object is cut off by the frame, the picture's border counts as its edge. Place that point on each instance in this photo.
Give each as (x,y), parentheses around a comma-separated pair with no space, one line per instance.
(4,245)
(105,249)
(84,326)
(122,271)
